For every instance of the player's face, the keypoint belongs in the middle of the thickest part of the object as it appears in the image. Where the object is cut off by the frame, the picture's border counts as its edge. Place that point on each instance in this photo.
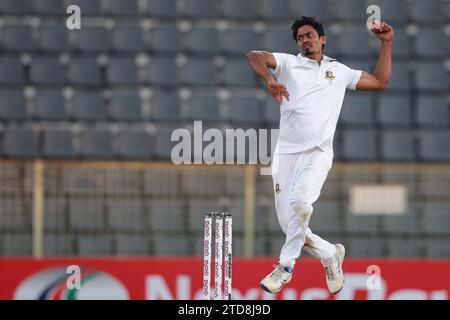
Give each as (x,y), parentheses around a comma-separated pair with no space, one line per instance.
(308,41)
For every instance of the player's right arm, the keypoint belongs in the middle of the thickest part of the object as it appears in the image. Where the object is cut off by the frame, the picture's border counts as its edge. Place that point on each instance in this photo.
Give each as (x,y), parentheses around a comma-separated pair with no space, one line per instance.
(260,62)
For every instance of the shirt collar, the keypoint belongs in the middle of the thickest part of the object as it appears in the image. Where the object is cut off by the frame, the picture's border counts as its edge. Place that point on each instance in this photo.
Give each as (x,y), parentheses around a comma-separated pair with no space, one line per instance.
(305,61)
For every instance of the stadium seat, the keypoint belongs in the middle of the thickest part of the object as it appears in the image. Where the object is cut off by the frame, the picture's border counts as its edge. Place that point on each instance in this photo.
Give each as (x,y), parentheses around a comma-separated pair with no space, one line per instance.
(17,244)
(431,76)
(162,8)
(313,8)
(165,39)
(197,210)
(92,39)
(434,146)
(84,71)
(350,10)
(17,37)
(432,183)
(125,214)
(240,40)
(279,39)
(276,9)
(20,143)
(163,143)
(405,176)
(432,111)
(165,106)
(167,215)
(132,245)
(128,38)
(401,248)
(436,220)
(407,224)
(262,210)
(446,10)
(359,145)
(12,105)
(238,9)
(357,110)
(437,248)
(13,214)
(364,224)
(201,72)
(244,109)
(203,40)
(233,182)
(212,182)
(55,214)
(88,8)
(237,73)
(432,42)
(237,208)
(326,217)
(123,180)
(120,8)
(401,47)
(366,246)
(88,106)
(354,41)
(400,78)
(163,72)
(133,145)
(165,245)
(122,71)
(392,11)
(95,245)
(394,111)
(276,242)
(48,7)
(11,72)
(427,11)
(162,182)
(53,37)
(272,111)
(397,145)
(200,9)
(58,144)
(49,105)
(58,245)
(125,106)
(14,7)
(204,107)
(46,71)
(96,144)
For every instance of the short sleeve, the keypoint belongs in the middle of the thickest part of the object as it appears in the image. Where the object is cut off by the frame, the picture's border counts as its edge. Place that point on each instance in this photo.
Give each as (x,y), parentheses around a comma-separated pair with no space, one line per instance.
(353,78)
(282,62)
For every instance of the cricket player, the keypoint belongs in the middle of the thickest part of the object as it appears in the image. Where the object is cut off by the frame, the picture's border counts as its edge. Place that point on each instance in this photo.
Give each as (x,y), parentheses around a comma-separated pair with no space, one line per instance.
(310,89)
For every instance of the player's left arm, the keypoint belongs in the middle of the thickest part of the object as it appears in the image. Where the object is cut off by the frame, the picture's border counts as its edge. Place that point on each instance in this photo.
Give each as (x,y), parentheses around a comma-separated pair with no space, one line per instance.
(380,78)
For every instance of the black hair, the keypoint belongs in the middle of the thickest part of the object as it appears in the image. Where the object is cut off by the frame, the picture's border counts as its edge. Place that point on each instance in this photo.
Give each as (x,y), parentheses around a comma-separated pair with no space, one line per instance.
(310,21)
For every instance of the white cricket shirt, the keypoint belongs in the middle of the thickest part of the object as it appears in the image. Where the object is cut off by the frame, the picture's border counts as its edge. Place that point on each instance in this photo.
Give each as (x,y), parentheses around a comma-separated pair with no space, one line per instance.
(316,93)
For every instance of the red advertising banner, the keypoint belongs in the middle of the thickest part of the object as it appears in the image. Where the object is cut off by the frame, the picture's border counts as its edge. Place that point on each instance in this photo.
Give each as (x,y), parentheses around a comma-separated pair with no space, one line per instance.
(181,278)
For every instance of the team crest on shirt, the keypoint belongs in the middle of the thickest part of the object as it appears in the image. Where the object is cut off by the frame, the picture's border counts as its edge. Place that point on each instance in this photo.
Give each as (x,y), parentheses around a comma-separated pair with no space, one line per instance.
(277,188)
(329,75)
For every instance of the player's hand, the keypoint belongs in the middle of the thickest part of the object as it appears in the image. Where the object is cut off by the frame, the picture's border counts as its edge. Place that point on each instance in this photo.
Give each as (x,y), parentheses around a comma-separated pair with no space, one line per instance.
(278,91)
(383,31)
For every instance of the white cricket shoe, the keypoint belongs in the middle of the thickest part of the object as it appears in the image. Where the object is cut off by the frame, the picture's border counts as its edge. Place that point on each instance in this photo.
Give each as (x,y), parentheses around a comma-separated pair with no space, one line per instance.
(274,281)
(334,273)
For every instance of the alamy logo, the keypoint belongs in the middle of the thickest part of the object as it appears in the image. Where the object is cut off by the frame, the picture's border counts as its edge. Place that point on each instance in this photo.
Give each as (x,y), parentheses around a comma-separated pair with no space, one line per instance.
(70,283)
(74,280)
(231,146)
(74,20)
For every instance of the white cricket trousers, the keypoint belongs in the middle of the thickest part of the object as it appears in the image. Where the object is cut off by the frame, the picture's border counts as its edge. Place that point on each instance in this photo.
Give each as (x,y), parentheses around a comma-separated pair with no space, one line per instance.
(297,181)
